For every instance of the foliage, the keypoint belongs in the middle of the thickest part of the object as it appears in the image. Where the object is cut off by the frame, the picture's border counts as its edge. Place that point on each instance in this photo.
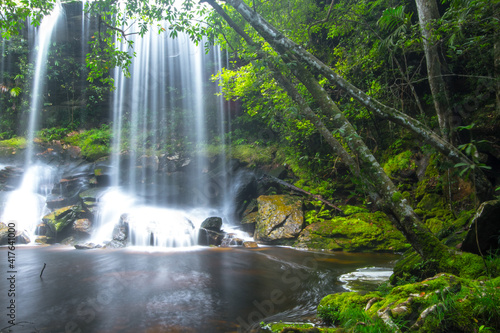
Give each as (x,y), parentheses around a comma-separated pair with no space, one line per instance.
(95,143)
(15,142)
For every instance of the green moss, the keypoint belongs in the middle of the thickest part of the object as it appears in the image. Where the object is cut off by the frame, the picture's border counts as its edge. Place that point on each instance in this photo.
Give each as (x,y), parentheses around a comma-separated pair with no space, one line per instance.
(402,161)
(296,327)
(349,210)
(396,196)
(17,142)
(357,232)
(60,218)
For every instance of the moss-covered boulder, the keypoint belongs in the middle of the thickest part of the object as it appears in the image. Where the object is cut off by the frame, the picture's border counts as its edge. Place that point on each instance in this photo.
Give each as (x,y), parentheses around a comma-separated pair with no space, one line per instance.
(281,218)
(358,232)
(61,222)
(442,303)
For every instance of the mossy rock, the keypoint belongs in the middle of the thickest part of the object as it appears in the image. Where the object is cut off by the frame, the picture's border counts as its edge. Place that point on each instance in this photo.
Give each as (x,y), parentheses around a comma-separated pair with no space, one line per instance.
(400,163)
(281,218)
(442,303)
(61,218)
(297,328)
(349,210)
(357,232)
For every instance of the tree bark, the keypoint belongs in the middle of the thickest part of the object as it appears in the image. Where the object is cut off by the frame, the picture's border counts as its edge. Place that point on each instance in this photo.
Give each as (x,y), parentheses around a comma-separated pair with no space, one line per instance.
(379,185)
(283,44)
(427,14)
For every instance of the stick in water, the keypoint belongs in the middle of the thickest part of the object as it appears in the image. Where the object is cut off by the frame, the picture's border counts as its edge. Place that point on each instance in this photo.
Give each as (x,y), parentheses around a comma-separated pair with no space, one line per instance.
(44,264)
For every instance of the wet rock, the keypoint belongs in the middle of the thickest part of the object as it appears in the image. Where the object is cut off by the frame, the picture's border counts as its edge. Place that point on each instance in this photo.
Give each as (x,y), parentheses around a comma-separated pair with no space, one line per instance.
(486,221)
(250,244)
(281,218)
(231,241)
(59,219)
(43,230)
(115,244)
(207,237)
(44,240)
(10,178)
(87,246)
(212,223)
(83,227)
(6,233)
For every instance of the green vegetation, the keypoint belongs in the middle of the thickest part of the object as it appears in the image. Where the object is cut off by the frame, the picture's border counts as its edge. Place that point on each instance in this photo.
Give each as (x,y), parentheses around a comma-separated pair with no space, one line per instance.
(15,142)
(450,304)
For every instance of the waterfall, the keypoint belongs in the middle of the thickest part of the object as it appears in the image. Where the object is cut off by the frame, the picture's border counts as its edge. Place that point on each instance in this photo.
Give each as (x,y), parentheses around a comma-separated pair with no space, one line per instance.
(26,205)
(43,40)
(163,115)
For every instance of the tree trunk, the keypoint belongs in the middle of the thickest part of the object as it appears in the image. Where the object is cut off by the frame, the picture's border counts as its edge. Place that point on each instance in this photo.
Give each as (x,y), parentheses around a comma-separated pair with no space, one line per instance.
(282,45)
(378,184)
(427,14)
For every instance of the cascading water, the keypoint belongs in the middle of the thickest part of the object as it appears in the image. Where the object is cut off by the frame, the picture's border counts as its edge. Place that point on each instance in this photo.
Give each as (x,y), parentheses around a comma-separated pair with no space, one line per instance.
(161,184)
(26,206)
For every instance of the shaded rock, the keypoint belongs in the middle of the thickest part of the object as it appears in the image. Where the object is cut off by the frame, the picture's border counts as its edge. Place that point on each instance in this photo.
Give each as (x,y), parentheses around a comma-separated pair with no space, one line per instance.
(207,237)
(281,218)
(43,230)
(487,220)
(212,223)
(249,221)
(357,232)
(246,190)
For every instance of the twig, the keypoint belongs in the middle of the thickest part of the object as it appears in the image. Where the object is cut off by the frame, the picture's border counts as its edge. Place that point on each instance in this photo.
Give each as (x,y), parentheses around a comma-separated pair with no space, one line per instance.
(44,265)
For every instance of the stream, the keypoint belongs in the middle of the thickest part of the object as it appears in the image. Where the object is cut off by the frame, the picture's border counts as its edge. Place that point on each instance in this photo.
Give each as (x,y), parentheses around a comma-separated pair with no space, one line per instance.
(196,289)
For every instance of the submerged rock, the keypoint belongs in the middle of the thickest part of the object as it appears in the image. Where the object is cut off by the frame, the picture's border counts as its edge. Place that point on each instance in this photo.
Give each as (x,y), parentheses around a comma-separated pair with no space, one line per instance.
(281,218)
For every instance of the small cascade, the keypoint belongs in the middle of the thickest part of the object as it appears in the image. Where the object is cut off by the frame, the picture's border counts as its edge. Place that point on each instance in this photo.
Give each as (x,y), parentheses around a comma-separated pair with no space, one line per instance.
(26,205)
(163,115)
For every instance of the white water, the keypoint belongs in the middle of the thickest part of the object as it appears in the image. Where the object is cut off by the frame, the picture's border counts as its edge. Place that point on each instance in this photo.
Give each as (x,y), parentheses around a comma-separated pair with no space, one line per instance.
(43,40)
(163,103)
(26,205)
(372,276)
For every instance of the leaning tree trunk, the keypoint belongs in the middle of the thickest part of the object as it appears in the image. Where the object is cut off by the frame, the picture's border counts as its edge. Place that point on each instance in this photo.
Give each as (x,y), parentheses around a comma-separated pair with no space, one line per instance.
(427,14)
(378,184)
(279,42)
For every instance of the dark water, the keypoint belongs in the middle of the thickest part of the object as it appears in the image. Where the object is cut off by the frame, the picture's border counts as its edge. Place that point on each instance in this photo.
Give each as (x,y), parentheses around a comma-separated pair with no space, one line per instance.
(198,290)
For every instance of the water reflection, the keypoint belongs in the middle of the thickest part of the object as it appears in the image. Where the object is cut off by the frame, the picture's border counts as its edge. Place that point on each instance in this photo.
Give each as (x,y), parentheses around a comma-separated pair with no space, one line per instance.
(201,290)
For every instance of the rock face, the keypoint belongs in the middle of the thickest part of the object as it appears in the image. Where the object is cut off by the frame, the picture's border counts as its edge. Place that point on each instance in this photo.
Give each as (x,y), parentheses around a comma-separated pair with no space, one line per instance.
(281,218)
(210,233)
(487,219)
(361,231)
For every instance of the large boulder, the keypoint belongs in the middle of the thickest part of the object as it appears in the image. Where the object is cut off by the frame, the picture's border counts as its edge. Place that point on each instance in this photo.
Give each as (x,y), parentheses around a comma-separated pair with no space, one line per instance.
(281,218)
(210,233)
(487,224)
(362,231)
(212,223)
